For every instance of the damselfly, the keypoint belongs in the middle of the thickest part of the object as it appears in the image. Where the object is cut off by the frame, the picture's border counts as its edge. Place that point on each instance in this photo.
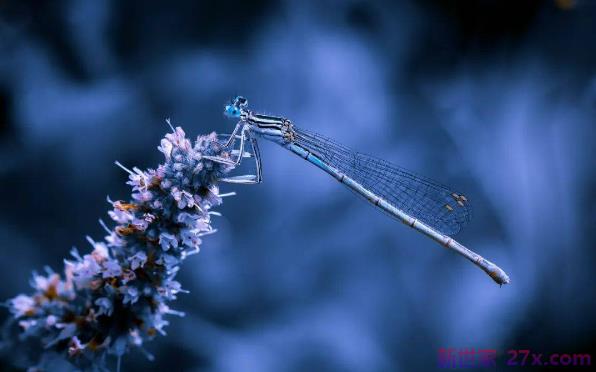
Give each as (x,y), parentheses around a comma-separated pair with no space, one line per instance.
(426,206)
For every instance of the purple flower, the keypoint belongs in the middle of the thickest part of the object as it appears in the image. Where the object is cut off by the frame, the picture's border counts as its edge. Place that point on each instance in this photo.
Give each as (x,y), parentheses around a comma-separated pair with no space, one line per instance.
(190,237)
(159,323)
(140,224)
(169,261)
(166,184)
(114,240)
(21,305)
(166,148)
(131,295)
(136,180)
(193,221)
(100,250)
(178,139)
(142,196)
(75,347)
(84,271)
(167,240)
(138,260)
(212,197)
(128,277)
(111,269)
(120,216)
(183,198)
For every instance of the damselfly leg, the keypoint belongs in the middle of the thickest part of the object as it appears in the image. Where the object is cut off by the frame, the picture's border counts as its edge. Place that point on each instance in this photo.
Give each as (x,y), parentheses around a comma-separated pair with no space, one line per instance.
(246,140)
(234,136)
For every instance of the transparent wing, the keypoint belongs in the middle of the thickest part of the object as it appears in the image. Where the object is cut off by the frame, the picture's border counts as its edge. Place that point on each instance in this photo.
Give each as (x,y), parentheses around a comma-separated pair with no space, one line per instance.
(432,203)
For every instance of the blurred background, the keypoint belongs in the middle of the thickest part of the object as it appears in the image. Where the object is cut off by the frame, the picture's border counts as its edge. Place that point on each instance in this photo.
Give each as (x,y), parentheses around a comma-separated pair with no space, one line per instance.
(495,98)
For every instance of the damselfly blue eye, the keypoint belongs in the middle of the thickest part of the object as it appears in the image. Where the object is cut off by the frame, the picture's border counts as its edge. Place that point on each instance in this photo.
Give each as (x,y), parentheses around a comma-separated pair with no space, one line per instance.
(232,111)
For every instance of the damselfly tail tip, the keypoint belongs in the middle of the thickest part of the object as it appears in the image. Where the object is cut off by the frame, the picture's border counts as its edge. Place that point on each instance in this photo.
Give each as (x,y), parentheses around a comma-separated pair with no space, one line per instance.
(499,276)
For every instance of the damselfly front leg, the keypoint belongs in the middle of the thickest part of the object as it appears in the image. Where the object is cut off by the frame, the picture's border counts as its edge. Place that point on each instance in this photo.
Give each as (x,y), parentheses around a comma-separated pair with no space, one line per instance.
(244,137)
(234,135)
(240,152)
(229,145)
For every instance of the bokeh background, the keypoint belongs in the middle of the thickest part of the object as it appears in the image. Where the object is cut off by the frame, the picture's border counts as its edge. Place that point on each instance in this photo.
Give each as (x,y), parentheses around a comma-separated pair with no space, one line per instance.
(496,98)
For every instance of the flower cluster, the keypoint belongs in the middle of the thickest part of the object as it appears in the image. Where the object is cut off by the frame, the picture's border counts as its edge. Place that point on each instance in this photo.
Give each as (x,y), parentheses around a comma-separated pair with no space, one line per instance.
(116,297)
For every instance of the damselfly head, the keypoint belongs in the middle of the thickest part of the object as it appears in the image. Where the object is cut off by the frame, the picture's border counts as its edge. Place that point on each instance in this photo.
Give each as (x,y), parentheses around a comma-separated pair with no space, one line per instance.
(235,107)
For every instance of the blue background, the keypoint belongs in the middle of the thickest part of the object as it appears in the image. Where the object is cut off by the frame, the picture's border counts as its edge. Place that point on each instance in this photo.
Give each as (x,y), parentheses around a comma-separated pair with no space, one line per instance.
(496,98)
